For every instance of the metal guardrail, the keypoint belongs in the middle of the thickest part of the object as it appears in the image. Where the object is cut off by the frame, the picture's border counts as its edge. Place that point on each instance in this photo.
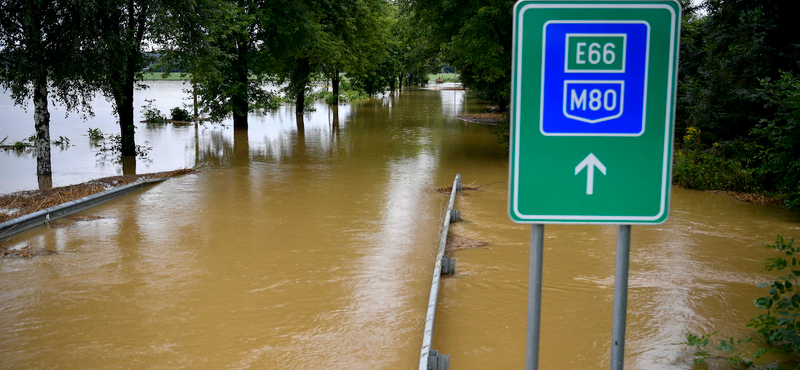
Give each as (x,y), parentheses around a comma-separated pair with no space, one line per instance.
(431,359)
(47,215)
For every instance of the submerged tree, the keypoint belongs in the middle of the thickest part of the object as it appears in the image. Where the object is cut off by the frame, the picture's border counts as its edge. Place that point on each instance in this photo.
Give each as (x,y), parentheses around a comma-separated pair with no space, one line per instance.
(41,59)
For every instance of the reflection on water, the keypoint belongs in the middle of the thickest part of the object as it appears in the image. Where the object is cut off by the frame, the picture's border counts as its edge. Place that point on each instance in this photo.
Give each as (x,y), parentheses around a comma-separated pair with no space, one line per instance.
(306,242)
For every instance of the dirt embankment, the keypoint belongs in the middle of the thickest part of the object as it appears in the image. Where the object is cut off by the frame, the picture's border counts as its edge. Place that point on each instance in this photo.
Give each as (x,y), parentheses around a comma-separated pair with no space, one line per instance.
(24,202)
(482,118)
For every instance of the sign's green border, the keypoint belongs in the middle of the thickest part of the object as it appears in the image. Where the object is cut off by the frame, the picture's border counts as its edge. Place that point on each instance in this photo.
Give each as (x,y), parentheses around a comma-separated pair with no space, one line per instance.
(675,10)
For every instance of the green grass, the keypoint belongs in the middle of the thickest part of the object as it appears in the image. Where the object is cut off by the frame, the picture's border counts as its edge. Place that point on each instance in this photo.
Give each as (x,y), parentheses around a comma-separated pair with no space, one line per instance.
(446,77)
(154,76)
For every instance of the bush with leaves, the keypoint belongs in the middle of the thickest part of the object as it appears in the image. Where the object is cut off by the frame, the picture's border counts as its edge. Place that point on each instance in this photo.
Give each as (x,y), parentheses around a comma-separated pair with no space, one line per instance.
(152,114)
(780,324)
(778,138)
(180,114)
(727,350)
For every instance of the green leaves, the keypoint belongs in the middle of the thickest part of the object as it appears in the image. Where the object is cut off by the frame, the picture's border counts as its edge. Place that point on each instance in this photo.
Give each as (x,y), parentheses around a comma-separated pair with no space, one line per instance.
(779,325)
(726,349)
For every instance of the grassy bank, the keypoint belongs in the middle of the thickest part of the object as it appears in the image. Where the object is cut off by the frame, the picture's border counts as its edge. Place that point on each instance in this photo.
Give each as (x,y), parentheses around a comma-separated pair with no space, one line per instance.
(706,170)
(156,76)
(444,77)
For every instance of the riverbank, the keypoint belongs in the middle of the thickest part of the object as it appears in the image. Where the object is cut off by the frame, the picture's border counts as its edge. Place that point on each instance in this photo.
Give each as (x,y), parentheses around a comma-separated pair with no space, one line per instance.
(482,118)
(25,202)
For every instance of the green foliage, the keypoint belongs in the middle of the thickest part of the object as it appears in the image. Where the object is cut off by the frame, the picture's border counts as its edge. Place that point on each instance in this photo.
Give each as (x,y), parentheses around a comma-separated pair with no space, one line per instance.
(779,324)
(152,114)
(345,96)
(475,37)
(706,171)
(62,141)
(110,146)
(269,100)
(726,349)
(351,95)
(29,142)
(95,134)
(39,45)
(778,138)
(767,161)
(180,114)
(443,77)
(725,53)
(737,87)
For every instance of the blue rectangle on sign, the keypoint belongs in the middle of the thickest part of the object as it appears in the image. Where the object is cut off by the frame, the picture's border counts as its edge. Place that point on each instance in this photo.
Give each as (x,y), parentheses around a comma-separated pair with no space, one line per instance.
(602,92)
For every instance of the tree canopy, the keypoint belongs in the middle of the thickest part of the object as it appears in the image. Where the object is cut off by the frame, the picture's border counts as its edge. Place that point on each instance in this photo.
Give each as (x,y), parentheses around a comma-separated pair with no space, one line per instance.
(40,60)
(475,37)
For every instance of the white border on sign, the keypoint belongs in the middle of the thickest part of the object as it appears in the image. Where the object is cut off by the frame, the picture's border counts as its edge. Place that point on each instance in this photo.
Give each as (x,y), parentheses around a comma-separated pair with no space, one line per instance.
(620,99)
(624,50)
(547,219)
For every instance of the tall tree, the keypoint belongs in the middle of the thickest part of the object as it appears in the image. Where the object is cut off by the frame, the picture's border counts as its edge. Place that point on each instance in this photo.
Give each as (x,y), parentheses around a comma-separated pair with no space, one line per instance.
(120,28)
(120,32)
(251,39)
(291,40)
(40,59)
(475,36)
(356,38)
(185,41)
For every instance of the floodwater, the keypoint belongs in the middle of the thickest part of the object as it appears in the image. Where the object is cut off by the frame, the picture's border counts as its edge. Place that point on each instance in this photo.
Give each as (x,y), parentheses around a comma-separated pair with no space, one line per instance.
(310,244)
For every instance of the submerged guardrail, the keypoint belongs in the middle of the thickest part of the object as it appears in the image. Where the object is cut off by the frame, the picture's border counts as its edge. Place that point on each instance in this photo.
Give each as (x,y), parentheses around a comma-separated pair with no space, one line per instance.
(431,359)
(47,215)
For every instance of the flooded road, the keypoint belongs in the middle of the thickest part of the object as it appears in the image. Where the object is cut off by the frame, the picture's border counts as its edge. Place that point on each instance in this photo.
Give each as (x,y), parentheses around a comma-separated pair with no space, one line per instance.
(308,244)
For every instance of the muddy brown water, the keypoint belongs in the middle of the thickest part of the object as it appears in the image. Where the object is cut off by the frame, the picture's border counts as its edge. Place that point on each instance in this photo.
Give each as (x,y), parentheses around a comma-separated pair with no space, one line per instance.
(310,246)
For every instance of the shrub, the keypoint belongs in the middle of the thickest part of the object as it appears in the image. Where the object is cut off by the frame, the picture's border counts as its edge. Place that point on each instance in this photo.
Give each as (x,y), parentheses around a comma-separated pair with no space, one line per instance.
(152,114)
(180,114)
(779,325)
(705,171)
(95,134)
(778,138)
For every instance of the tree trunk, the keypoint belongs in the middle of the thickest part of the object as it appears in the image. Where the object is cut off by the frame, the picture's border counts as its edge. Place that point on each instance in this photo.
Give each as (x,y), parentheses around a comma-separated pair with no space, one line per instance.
(300,79)
(194,98)
(41,121)
(123,92)
(368,85)
(123,98)
(300,101)
(300,149)
(240,99)
(335,85)
(392,84)
(400,85)
(335,123)
(241,148)
(45,181)
(128,164)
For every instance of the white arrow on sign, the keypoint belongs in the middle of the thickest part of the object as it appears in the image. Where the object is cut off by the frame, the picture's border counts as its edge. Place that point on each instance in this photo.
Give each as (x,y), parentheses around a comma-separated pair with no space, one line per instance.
(591,162)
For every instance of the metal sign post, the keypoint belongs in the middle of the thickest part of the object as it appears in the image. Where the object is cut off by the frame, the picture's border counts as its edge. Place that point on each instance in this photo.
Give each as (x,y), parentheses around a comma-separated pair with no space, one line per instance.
(620,297)
(534,297)
(592,108)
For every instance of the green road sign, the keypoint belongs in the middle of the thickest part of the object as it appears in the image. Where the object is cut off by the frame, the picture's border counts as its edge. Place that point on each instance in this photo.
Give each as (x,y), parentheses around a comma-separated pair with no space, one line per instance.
(592,110)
